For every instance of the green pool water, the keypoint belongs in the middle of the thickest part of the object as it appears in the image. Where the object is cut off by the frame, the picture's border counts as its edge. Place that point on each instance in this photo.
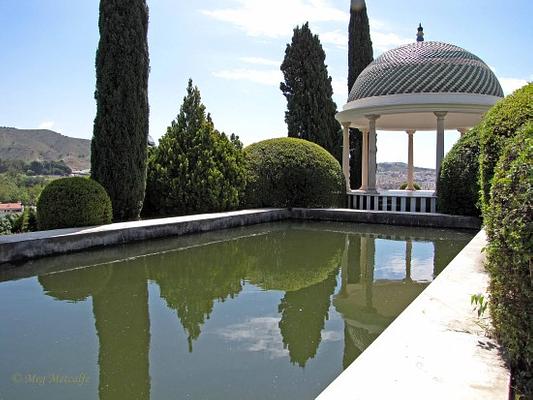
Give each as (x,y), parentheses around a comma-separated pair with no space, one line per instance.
(273,311)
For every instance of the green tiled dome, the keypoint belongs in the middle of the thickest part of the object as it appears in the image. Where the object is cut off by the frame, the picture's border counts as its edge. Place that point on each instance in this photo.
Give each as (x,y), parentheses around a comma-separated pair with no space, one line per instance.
(426,67)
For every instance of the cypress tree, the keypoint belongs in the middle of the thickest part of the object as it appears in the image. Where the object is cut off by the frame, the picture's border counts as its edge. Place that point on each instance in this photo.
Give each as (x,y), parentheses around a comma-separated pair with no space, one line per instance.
(310,111)
(360,54)
(119,145)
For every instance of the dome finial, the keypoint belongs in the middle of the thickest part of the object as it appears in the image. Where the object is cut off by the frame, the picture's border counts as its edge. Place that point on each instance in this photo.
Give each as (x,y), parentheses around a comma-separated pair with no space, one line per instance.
(420,34)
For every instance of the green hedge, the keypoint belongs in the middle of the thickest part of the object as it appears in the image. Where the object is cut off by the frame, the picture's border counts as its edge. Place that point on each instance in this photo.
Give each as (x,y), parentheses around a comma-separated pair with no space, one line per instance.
(73,202)
(509,226)
(458,181)
(289,172)
(500,123)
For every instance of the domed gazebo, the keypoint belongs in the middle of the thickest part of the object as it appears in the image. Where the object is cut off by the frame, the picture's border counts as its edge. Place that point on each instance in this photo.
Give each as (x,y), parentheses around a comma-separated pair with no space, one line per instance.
(421,86)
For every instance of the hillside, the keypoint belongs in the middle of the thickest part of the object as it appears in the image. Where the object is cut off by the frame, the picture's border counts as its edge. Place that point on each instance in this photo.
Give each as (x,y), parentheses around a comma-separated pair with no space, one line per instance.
(392,175)
(44,145)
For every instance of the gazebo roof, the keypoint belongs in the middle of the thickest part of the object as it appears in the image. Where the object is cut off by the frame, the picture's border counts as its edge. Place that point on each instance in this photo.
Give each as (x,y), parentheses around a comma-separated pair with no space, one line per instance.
(406,85)
(426,67)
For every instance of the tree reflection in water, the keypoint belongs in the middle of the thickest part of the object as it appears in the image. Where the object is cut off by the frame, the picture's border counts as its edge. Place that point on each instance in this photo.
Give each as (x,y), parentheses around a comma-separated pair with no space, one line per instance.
(192,281)
(303,315)
(120,307)
(303,263)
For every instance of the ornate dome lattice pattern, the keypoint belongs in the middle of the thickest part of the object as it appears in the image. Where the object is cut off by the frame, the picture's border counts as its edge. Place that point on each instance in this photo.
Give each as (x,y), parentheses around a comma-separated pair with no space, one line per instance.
(426,67)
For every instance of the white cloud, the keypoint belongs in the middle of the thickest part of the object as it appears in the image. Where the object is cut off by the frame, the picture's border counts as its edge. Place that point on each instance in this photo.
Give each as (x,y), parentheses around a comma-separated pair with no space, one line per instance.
(262,18)
(331,336)
(377,24)
(340,88)
(337,38)
(509,85)
(382,41)
(257,335)
(46,125)
(269,77)
(260,61)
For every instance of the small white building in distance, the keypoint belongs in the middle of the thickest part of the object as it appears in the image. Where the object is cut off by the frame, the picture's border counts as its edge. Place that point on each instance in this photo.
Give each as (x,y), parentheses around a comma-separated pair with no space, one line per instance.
(11,208)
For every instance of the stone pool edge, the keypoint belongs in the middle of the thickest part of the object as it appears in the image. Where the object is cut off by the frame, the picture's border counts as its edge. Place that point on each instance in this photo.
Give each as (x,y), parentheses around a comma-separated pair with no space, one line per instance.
(26,246)
(436,348)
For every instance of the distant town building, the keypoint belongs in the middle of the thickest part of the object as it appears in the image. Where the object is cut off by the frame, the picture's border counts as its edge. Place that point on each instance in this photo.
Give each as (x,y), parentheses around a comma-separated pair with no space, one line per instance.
(11,208)
(83,172)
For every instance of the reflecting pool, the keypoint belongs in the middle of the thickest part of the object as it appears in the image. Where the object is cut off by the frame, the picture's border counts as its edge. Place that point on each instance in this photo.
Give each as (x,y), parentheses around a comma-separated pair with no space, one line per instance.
(272,311)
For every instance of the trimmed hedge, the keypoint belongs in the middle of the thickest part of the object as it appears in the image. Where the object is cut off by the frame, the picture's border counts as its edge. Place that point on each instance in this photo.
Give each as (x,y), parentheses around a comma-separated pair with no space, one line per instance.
(509,225)
(458,181)
(500,123)
(73,202)
(290,172)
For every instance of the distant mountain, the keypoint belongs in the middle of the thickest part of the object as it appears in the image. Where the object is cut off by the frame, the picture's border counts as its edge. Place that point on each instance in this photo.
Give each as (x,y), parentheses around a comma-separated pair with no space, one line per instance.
(44,145)
(391,175)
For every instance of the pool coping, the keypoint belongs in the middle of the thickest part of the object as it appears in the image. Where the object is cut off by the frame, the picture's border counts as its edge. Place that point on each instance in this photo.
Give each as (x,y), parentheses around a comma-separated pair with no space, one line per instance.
(437,348)
(26,246)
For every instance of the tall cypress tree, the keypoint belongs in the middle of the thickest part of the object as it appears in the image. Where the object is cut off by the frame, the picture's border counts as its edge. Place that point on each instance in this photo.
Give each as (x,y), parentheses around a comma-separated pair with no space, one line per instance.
(119,145)
(310,111)
(360,54)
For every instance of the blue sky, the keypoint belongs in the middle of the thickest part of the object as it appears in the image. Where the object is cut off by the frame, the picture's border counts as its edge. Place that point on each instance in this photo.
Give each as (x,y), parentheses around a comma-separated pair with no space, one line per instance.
(232,50)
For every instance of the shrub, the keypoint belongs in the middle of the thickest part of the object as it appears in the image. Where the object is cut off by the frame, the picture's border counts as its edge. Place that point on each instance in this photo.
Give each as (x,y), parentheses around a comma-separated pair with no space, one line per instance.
(196,168)
(73,202)
(403,186)
(24,222)
(6,225)
(509,222)
(500,123)
(458,181)
(289,172)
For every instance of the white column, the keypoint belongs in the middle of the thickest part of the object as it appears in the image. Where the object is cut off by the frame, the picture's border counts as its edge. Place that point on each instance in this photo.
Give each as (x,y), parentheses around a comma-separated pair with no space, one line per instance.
(440,142)
(408,256)
(344,266)
(372,150)
(346,153)
(364,161)
(410,161)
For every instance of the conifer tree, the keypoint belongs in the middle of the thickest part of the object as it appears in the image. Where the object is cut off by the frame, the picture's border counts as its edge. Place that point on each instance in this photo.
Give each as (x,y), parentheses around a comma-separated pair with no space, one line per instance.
(196,168)
(310,111)
(119,145)
(360,54)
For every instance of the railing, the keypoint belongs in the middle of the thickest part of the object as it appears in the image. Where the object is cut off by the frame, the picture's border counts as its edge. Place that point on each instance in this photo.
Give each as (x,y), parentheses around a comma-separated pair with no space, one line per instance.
(394,201)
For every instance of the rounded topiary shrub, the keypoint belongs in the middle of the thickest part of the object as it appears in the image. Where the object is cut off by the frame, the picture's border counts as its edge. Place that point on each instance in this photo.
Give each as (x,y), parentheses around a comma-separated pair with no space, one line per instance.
(500,123)
(403,186)
(458,181)
(289,172)
(509,223)
(73,202)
